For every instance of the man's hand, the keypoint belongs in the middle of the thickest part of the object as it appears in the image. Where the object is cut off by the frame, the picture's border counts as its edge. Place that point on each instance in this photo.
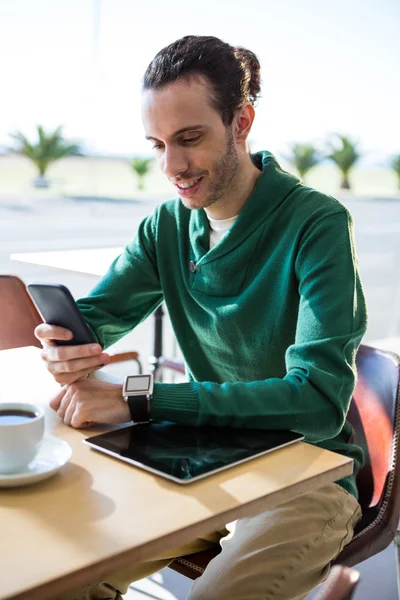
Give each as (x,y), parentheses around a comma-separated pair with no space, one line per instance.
(68,364)
(85,403)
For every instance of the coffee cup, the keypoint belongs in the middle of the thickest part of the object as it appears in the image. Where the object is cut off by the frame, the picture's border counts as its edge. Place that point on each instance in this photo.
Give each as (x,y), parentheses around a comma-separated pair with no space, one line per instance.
(21,432)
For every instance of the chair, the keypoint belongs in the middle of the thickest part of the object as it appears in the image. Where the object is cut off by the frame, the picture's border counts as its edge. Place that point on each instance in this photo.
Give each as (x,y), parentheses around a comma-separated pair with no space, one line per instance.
(157,363)
(19,317)
(375,417)
(339,585)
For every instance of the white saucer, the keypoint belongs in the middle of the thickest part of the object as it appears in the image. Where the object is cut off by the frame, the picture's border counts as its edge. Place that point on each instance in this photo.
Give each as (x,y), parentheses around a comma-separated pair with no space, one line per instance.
(53,454)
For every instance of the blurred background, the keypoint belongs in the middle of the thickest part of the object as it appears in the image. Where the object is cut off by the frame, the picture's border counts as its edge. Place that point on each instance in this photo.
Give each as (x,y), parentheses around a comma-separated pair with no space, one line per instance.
(76,172)
(328,68)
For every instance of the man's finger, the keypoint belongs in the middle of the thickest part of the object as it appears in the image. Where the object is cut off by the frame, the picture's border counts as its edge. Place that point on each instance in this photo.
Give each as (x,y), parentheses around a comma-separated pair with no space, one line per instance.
(63,353)
(65,402)
(56,401)
(45,332)
(46,344)
(68,378)
(69,413)
(79,364)
(78,423)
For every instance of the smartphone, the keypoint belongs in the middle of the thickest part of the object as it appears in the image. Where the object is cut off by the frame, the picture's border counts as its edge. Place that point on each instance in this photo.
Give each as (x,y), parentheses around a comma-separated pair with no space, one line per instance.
(57,306)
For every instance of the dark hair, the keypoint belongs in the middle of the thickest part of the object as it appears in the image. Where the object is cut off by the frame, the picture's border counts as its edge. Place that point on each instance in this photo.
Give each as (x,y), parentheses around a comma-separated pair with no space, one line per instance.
(234,73)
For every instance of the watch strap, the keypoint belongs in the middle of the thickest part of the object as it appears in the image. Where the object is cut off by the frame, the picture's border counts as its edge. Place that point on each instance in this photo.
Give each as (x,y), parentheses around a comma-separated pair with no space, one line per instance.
(138,407)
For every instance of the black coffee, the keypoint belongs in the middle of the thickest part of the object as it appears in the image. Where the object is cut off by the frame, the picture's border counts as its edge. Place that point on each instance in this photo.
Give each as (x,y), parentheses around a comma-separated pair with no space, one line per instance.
(13,416)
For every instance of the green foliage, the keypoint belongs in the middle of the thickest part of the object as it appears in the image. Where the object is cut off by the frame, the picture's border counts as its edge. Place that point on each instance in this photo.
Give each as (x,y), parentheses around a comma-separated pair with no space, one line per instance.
(304,157)
(141,167)
(344,153)
(396,166)
(48,148)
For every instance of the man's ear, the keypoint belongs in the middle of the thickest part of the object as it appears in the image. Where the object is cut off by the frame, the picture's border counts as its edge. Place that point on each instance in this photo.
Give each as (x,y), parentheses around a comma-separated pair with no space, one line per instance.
(243,122)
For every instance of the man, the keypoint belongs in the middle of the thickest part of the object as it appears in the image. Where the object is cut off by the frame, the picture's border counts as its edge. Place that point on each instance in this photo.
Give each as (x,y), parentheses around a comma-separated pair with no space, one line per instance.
(260,278)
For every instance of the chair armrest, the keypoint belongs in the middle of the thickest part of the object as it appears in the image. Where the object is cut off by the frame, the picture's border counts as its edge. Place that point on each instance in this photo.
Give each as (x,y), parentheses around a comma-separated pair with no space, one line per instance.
(124,356)
(176,365)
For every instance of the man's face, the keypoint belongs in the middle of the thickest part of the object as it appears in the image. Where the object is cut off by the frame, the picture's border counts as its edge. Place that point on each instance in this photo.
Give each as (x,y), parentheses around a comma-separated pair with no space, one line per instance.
(194,148)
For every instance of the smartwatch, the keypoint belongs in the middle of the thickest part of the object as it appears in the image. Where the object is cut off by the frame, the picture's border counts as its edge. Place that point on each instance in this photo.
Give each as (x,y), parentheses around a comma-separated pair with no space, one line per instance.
(137,392)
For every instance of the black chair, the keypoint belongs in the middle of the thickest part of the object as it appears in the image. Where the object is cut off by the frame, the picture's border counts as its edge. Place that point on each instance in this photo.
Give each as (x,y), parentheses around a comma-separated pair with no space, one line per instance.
(375,417)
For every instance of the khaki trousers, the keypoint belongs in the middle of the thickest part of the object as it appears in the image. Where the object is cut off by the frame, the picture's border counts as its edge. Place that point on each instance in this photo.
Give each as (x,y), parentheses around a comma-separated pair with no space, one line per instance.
(280,554)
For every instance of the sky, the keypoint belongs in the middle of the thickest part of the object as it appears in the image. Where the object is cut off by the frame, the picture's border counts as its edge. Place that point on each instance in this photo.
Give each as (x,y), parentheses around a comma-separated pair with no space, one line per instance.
(327,66)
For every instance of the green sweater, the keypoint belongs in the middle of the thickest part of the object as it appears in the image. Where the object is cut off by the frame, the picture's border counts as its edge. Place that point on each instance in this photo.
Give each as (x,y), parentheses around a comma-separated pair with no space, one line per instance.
(270,320)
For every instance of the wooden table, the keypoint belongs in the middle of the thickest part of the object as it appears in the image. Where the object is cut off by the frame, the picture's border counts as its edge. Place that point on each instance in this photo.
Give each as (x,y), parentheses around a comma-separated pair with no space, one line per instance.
(93,261)
(99,514)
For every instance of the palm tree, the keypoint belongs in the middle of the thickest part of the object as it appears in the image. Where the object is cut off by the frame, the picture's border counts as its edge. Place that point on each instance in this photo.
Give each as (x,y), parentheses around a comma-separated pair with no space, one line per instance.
(396,166)
(344,154)
(141,167)
(304,157)
(49,148)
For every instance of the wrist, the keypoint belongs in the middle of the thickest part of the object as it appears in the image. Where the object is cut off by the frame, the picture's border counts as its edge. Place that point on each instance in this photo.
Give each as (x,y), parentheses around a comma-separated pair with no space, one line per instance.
(122,414)
(125,412)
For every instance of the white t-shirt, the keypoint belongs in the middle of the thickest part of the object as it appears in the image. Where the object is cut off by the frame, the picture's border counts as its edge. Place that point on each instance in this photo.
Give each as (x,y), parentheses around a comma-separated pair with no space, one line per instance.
(219,228)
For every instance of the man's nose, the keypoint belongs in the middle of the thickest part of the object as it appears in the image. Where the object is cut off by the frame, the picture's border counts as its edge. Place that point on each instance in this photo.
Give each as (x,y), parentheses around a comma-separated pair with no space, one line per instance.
(174,162)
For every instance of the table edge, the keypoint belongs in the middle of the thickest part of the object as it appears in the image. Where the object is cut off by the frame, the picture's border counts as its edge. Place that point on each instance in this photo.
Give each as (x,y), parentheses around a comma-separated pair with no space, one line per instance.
(119,561)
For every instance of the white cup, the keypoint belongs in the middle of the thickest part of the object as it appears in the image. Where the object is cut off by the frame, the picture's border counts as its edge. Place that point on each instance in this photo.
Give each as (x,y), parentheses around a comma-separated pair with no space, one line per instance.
(20,438)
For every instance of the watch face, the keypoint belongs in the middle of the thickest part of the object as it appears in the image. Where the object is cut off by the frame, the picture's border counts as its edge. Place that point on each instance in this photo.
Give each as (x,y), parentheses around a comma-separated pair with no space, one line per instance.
(138,384)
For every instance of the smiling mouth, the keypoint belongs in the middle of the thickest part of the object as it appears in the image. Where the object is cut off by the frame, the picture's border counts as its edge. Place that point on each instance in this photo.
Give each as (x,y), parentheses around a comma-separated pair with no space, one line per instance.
(188,184)
(189,188)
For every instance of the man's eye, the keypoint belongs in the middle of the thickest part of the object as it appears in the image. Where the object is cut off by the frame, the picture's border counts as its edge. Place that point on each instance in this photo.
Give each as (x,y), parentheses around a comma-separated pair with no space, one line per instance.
(191,140)
(157,146)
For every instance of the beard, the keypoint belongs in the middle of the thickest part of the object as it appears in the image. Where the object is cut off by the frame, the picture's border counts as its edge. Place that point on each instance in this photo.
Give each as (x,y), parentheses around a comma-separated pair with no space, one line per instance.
(224,170)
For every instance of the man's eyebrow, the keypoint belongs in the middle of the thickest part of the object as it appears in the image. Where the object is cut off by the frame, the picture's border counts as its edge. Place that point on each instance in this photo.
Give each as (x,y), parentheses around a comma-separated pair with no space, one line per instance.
(180,131)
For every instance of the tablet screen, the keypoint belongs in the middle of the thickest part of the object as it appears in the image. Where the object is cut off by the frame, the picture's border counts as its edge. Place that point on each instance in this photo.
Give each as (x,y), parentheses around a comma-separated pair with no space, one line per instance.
(185,453)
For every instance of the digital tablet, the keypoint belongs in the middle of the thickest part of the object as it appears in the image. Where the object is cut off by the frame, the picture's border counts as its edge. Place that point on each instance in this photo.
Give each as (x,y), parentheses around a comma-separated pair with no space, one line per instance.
(185,454)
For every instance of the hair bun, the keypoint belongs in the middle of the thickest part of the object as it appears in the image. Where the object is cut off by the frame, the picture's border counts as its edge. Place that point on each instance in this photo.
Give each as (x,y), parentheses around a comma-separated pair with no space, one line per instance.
(252,67)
